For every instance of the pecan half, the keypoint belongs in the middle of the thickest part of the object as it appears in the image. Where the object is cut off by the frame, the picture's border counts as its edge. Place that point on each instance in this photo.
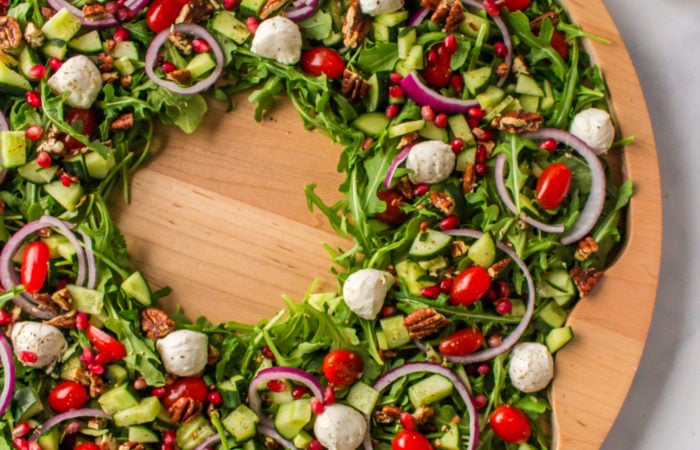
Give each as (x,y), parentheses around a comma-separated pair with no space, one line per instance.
(270,7)
(33,35)
(105,62)
(131,446)
(110,77)
(180,76)
(123,122)
(388,414)
(184,409)
(63,299)
(47,12)
(424,322)
(585,279)
(94,12)
(422,414)
(502,70)
(10,33)
(442,201)
(519,65)
(79,374)
(451,12)
(44,303)
(52,146)
(585,248)
(156,323)
(66,320)
(196,11)
(498,267)
(353,86)
(407,139)
(356,25)
(405,187)
(430,4)
(97,385)
(468,178)
(459,248)
(518,121)
(181,42)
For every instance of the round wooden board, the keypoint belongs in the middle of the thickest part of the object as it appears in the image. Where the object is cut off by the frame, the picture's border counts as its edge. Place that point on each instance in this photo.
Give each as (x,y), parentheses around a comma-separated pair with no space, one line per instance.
(220,216)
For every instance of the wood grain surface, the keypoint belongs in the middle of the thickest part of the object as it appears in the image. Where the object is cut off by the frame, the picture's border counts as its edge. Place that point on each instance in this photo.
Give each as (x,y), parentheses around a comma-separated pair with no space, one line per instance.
(220,216)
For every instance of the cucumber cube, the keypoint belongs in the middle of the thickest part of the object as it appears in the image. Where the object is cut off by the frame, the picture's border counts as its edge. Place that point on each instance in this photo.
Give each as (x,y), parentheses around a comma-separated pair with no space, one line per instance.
(558,338)
(66,196)
(429,244)
(12,82)
(13,149)
(483,251)
(528,86)
(362,397)
(228,25)
(126,49)
(143,435)
(395,332)
(136,287)
(63,25)
(189,435)
(126,408)
(241,423)
(200,65)
(34,173)
(429,390)
(86,300)
(292,416)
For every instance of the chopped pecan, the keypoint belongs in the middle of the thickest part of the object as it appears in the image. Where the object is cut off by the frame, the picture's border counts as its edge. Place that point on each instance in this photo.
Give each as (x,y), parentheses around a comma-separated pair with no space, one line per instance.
(424,322)
(10,33)
(109,45)
(156,323)
(441,10)
(585,279)
(123,122)
(184,409)
(502,70)
(586,247)
(442,201)
(181,42)
(66,320)
(33,35)
(107,442)
(451,12)
(388,414)
(270,7)
(407,139)
(430,4)
(459,248)
(536,23)
(125,81)
(468,178)
(109,77)
(63,299)
(129,445)
(44,303)
(422,414)
(97,385)
(105,62)
(77,373)
(94,12)
(405,187)
(196,11)
(353,86)
(518,121)
(52,146)
(180,76)
(498,267)
(47,12)
(356,25)
(519,65)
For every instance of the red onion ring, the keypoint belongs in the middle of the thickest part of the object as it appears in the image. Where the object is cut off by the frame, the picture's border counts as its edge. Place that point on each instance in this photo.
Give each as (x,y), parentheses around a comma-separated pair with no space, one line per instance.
(415,367)
(70,415)
(418,17)
(90,261)
(136,5)
(596,197)
(301,9)
(8,370)
(269,431)
(499,175)
(209,442)
(104,23)
(417,91)
(401,157)
(4,125)
(195,30)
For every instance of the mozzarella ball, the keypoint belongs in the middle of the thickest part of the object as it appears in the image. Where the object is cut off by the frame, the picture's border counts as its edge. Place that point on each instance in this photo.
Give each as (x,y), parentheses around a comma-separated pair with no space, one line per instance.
(184,352)
(430,161)
(364,291)
(594,127)
(376,7)
(278,38)
(81,78)
(44,341)
(340,427)
(531,367)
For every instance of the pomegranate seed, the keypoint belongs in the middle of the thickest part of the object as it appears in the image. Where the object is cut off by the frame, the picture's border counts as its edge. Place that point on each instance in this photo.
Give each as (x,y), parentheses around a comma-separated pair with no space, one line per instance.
(392,111)
(441,120)
(102,359)
(495,340)
(387,311)
(427,113)
(81,321)
(430,291)
(328,396)
(395,92)
(500,49)
(423,226)
(20,443)
(407,422)
(167,447)
(367,143)
(491,8)
(431,56)
(121,34)
(299,391)
(21,429)
(480,155)
(5,318)
(457,82)
(97,369)
(316,405)
(446,285)
(549,145)
(480,401)
(483,369)
(476,113)
(451,44)
(267,353)
(449,223)
(457,145)
(276,385)
(65,180)
(168,67)
(421,189)
(231,4)
(483,135)
(169,437)
(33,99)
(502,289)
(491,294)
(37,72)
(199,45)
(125,14)
(55,64)
(504,306)
(473,123)
(111,8)
(481,169)
(86,356)
(252,24)
(33,132)
(73,427)
(315,445)
(158,392)
(28,357)
(215,398)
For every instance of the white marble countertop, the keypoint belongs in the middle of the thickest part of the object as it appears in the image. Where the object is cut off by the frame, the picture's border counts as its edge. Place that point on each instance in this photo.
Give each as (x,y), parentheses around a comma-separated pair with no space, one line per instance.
(662,410)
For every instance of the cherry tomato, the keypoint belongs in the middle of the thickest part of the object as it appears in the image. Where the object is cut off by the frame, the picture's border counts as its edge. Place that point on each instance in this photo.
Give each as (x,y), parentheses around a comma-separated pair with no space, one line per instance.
(510,424)
(104,343)
(515,5)
(35,266)
(553,185)
(558,43)
(320,60)
(410,440)
(462,342)
(393,213)
(342,367)
(469,286)
(437,71)
(162,13)
(86,127)
(67,395)
(192,387)
(86,446)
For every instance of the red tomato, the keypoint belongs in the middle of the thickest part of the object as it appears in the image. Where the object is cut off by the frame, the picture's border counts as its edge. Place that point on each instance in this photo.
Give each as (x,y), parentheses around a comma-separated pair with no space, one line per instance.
(510,424)
(162,13)
(553,185)
(104,343)
(558,43)
(67,395)
(86,446)
(86,127)
(192,387)
(462,342)
(342,367)
(437,71)
(35,266)
(515,5)
(469,286)
(320,60)
(410,440)
(392,214)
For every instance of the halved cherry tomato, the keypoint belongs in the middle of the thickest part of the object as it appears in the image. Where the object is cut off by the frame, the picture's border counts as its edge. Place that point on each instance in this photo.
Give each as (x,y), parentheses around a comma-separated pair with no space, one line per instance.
(469,286)
(393,213)
(437,70)
(35,266)
(320,60)
(558,43)
(515,5)
(553,185)
(104,343)
(86,127)
(410,440)
(342,367)
(510,424)
(68,395)
(86,446)
(192,387)
(462,342)
(162,13)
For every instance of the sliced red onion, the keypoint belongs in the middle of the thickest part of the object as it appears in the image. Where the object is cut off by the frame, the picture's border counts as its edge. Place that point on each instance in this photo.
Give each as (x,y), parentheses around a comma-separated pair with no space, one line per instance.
(4,125)
(90,261)
(269,431)
(499,175)
(301,13)
(136,5)
(418,367)
(596,197)
(401,157)
(195,30)
(418,17)
(209,442)
(417,91)
(8,370)
(110,21)
(70,415)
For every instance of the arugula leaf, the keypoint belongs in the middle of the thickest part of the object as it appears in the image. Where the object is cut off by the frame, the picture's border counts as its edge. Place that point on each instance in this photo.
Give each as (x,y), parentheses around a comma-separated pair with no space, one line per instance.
(540,47)
(382,57)
(319,26)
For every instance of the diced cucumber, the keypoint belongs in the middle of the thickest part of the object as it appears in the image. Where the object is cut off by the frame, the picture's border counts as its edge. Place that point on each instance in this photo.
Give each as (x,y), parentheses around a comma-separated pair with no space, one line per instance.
(116,374)
(528,86)
(547,101)
(241,423)
(251,444)
(27,60)
(378,94)
(88,43)
(472,23)
(432,132)
(66,196)
(409,273)
(477,79)
(145,411)
(136,287)
(362,397)
(371,123)
(292,416)
(395,332)
(302,439)
(406,40)
(26,403)
(552,315)
(280,397)
(561,280)
(190,434)
(68,369)
(60,246)
(460,128)
(89,301)
(34,173)
(452,439)
(200,65)
(558,338)
(392,19)
(415,57)
(429,244)
(406,127)
(381,32)
(97,167)
(483,251)
(117,399)
(142,435)
(13,149)
(124,66)
(226,23)
(49,440)
(55,48)
(75,165)
(526,446)
(490,97)
(530,103)
(251,7)
(429,390)
(125,49)
(63,25)
(232,391)
(499,108)
(518,307)
(468,155)
(12,82)
(557,284)
(434,264)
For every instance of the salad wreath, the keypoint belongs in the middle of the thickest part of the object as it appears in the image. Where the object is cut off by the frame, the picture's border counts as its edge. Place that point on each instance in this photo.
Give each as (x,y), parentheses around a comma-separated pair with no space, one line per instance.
(475,196)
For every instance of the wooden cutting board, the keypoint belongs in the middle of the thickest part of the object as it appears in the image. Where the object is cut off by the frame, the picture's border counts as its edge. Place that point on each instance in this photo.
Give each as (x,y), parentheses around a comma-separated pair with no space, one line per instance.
(220,216)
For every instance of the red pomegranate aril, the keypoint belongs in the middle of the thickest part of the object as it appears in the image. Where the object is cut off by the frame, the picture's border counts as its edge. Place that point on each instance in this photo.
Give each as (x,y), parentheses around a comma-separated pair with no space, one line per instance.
(480,401)
(392,111)
(102,359)
(20,443)
(430,291)
(451,44)
(449,223)
(97,369)
(86,356)
(504,306)
(21,429)
(549,145)
(328,396)
(476,113)
(495,340)
(37,72)
(491,8)
(480,155)
(169,437)
(81,321)
(407,421)
(158,392)
(427,113)
(483,369)
(316,406)
(199,45)
(267,353)
(33,99)
(445,285)
(121,34)
(315,445)
(441,120)
(33,132)
(231,4)
(367,143)
(457,145)
(65,180)
(387,311)
(396,92)
(481,169)
(502,289)
(457,82)
(395,77)
(276,385)
(483,135)
(500,49)
(168,67)
(431,57)
(215,398)
(55,64)
(252,24)
(28,357)
(421,189)
(299,391)
(5,318)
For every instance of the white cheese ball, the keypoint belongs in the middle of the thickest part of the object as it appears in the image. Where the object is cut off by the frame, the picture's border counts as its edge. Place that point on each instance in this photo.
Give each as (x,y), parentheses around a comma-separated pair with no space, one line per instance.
(364,291)
(376,7)
(340,427)
(184,352)
(531,367)
(430,161)
(44,341)
(278,38)
(594,127)
(81,78)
